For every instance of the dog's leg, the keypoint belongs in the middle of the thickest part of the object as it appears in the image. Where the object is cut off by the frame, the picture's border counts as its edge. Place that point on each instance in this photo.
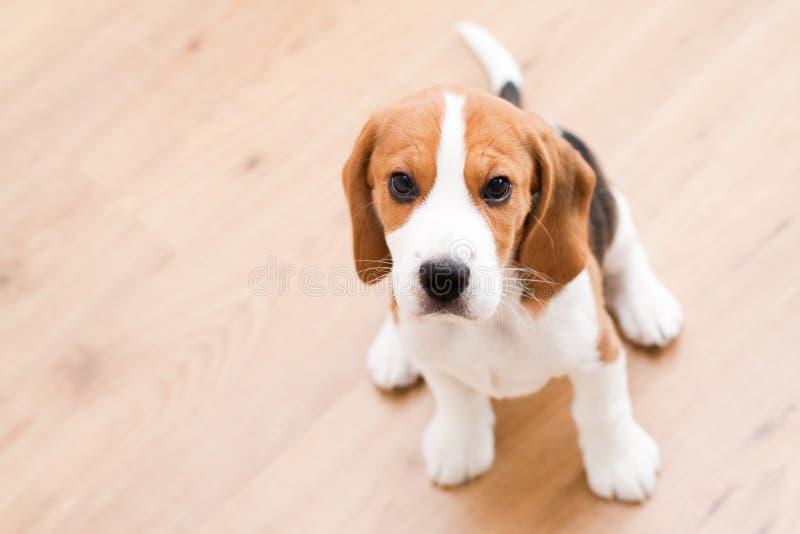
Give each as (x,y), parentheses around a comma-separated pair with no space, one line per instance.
(620,458)
(458,443)
(387,364)
(646,311)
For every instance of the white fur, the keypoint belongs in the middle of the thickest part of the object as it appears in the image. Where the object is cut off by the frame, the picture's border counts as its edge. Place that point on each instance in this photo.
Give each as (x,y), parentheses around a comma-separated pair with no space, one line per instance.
(467,362)
(387,363)
(498,62)
(447,224)
(514,354)
(458,443)
(620,458)
(646,311)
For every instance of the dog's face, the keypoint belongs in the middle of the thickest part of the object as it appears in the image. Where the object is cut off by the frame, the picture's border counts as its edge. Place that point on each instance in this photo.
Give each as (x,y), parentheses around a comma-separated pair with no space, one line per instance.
(454,191)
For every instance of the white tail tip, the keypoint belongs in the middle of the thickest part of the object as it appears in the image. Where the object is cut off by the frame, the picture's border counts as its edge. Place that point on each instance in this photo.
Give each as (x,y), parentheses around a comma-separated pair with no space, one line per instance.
(496,60)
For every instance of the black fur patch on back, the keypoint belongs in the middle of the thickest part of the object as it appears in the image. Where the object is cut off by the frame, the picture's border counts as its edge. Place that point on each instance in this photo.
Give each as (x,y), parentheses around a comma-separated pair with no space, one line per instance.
(603,210)
(510,92)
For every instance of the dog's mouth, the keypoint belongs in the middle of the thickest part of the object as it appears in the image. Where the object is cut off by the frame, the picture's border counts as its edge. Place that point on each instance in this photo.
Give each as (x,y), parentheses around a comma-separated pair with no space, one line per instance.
(445,310)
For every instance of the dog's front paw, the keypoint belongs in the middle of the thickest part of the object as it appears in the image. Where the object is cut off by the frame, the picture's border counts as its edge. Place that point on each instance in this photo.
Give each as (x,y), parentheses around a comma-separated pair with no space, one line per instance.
(387,364)
(623,465)
(455,453)
(390,369)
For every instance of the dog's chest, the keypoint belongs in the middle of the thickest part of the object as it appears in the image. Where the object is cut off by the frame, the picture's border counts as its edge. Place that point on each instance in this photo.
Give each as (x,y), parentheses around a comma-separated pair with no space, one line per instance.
(516,354)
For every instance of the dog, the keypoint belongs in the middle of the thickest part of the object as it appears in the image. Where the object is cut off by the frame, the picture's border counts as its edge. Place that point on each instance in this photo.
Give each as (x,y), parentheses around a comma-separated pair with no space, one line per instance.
(506,249)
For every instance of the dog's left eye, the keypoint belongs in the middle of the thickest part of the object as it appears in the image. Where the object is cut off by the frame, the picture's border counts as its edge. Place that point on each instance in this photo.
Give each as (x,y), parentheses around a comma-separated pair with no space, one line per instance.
(497,190)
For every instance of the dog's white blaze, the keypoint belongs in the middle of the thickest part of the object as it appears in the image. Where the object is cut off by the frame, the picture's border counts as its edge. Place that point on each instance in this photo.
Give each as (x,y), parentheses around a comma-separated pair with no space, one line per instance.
(449,204)
(452,152)
(447,224)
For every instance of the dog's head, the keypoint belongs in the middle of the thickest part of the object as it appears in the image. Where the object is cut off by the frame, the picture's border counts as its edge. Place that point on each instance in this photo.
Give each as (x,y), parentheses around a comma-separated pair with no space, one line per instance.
(455,193)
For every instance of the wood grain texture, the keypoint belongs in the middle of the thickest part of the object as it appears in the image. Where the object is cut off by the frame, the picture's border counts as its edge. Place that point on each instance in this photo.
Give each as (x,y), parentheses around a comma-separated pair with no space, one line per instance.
(154,155)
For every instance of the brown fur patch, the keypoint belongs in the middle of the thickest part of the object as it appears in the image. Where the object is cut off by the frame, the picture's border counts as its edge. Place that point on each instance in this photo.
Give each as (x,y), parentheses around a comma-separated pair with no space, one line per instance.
(556,243)
(608,342)
(402,138)
(548,240)
(495,141)
(393,308)
(603,213)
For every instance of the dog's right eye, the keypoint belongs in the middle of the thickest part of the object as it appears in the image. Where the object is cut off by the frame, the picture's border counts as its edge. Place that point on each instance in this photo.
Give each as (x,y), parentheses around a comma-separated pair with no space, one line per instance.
(497,190)
(402,187)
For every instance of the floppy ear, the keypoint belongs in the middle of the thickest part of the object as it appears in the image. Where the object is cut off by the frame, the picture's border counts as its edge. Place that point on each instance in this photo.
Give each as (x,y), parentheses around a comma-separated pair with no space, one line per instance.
(372,257)
(556,241)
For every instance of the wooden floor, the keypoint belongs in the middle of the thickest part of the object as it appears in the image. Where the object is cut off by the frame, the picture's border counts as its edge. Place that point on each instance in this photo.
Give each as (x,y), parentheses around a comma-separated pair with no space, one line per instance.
(158,158)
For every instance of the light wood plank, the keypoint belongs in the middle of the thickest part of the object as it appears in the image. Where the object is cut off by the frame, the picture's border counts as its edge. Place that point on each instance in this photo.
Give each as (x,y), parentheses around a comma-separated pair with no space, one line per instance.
(153,154)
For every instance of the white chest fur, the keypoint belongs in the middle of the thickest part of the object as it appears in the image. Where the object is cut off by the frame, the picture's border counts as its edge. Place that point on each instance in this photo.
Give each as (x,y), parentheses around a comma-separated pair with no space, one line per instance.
(514,354)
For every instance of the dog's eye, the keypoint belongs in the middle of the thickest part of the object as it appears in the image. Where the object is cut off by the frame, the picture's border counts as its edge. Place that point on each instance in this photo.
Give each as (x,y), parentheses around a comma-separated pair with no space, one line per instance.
(497,190)
(402,187)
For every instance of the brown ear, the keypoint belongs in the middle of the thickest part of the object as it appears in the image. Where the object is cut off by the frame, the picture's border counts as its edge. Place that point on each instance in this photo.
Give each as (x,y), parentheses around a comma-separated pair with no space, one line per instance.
(372,257)
(556,242)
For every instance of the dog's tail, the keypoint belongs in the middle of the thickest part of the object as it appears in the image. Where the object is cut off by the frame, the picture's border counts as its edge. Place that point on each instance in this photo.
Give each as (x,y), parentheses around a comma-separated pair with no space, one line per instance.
(504,73)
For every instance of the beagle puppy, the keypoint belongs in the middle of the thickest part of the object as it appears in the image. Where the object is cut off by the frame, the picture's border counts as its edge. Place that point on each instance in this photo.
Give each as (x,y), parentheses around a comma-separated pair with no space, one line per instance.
(506,248)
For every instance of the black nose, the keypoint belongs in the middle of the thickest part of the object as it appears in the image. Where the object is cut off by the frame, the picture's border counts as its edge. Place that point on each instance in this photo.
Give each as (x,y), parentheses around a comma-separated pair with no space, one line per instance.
(444,280)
